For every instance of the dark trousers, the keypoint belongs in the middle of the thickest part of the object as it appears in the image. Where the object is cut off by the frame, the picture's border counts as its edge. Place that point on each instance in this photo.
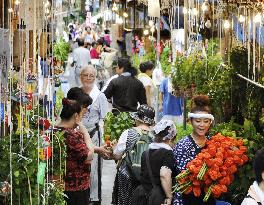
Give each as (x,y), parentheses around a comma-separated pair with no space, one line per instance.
(77,197)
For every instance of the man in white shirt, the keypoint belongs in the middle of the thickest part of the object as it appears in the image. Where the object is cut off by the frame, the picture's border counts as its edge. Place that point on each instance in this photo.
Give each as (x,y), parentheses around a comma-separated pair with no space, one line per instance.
(81,58)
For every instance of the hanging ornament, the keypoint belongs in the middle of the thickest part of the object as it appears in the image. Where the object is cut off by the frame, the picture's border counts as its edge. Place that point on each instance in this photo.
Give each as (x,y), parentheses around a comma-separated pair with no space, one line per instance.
(4,188)
(242,18)
(227,24)
(208,24)
(41,172)
(258,18)
(45,150)
(205,6)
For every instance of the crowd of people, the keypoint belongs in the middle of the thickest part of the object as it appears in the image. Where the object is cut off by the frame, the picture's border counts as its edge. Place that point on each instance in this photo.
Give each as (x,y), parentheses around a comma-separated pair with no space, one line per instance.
(147,155)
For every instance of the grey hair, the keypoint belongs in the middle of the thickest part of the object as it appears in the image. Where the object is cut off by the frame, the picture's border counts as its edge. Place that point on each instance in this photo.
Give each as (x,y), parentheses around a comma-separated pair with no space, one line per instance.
(89,68)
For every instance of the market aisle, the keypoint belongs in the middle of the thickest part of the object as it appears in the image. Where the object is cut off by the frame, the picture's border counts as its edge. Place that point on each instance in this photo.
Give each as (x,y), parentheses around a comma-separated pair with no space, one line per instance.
(108,178)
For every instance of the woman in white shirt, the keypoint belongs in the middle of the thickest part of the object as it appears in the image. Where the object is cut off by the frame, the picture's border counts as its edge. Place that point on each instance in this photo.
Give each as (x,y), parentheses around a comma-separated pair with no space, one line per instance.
(146,69)
(256,191)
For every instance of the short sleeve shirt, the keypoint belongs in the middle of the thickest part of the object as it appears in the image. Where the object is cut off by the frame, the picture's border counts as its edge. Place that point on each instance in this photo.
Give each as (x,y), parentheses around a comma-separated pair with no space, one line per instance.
(77,176)
(147,81)
(171,105)
(158,158)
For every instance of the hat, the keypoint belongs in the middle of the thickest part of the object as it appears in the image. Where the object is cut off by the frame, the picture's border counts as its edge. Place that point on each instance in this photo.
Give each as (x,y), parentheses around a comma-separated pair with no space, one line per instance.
(144,114)
(162,125)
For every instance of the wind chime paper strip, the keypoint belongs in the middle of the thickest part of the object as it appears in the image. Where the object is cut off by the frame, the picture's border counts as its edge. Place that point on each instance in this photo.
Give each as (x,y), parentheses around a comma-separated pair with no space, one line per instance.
(154,8)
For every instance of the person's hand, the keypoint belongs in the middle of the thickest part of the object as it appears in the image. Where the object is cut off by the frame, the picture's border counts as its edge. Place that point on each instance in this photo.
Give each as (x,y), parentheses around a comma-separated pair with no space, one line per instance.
(113,144)
(104,152)
(167,201)
(160,107)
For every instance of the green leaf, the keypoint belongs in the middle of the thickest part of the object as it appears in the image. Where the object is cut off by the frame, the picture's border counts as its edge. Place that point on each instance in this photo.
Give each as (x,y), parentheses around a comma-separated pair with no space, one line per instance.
(16,173)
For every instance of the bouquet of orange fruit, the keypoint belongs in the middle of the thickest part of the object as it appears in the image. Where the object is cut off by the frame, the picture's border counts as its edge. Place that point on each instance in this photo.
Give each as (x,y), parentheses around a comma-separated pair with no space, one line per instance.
(213,168)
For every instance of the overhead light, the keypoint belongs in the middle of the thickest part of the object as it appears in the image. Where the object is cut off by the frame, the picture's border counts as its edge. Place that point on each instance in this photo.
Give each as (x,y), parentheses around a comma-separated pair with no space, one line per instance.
(205,6)
(195,11)
(146,32)
(151,23)
(114,8)
(47,4)
(125,14)
(258,18)
(17,2)
(185,10)
(10,10)
(227,24)
(241,18)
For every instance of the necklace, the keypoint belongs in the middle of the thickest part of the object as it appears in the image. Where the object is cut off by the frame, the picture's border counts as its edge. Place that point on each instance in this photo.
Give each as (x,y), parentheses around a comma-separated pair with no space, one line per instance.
(199,142)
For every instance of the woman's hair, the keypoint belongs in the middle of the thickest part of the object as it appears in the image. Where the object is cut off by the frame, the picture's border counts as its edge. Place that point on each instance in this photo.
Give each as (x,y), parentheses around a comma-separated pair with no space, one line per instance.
(159,137)
(80,42)
(126,64)
(89,68)
(148,65)
(94,43)
(258,165)
(70,107)
(200,103)
(77,94)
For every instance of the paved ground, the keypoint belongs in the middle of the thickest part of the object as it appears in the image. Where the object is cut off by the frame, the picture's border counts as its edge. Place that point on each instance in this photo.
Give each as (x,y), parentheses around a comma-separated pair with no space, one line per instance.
(108,177)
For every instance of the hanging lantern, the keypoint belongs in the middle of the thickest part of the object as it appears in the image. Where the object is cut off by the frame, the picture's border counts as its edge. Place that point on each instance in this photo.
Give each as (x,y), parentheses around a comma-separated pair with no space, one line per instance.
(125,14)
(185,10)
(208,24)
(17,2)
(242,18)
(205,6)
(10,10)
(114,8)
(227,24)
(258,18)
(195,11)
(151,23)
(146,32)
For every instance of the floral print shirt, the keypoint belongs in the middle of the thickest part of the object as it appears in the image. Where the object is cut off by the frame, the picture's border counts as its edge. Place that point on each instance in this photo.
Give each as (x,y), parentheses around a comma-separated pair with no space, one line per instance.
(77,176)
(184,151)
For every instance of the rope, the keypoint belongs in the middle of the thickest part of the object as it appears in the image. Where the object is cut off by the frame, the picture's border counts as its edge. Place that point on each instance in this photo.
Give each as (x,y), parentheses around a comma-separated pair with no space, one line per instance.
(251,81)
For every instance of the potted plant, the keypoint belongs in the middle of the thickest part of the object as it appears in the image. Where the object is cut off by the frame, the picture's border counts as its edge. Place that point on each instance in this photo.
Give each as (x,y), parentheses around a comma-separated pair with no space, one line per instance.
(116,124)
(61,50)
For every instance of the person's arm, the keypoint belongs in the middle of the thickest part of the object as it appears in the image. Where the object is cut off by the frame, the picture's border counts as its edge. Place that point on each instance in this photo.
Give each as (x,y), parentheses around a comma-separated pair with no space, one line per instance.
(109,90)
(161,96)
(166,183)
(161,101)
(120,147)
(74,60)
(88,141)
(80,149)
(142,99)
(148,94)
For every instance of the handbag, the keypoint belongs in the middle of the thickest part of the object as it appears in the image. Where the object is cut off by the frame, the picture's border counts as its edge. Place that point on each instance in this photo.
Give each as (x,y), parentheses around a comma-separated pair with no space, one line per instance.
(156,195)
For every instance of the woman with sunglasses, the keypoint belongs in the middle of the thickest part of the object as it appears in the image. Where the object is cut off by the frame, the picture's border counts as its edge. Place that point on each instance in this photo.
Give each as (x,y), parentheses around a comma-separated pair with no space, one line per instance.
(187,148)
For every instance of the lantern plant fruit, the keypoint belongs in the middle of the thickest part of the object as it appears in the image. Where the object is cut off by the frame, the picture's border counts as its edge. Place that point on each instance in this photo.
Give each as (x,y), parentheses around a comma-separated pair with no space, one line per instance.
(213,168)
